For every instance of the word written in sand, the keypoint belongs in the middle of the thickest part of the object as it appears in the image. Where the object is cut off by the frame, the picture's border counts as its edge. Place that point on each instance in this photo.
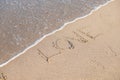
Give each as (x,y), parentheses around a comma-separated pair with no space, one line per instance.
(3,77)
(67,43)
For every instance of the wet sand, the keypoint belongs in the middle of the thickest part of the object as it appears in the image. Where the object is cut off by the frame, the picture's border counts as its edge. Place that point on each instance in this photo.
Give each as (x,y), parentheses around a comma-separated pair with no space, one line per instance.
(88,49)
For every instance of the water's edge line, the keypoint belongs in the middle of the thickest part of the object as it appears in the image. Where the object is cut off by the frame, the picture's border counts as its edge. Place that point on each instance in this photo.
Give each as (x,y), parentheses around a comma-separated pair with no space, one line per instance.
(39,40)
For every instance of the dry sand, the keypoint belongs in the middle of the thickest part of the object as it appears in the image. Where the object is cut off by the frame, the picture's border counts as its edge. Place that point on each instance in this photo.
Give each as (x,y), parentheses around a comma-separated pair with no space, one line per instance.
(88,49)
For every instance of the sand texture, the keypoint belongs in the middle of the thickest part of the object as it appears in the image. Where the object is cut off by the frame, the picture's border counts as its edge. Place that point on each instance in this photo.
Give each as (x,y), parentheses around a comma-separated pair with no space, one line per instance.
(23,22)
(88,49)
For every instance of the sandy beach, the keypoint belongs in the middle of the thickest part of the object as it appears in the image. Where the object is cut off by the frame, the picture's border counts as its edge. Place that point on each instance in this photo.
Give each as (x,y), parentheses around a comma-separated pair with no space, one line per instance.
(24,23)
(88,49)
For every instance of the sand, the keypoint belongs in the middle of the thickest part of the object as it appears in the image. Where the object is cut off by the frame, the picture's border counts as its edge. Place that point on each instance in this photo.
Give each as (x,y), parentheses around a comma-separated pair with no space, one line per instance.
(88,49)
(24,23)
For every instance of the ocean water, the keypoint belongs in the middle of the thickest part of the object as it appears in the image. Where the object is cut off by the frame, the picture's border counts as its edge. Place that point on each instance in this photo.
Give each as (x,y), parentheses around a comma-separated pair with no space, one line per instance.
(23,22)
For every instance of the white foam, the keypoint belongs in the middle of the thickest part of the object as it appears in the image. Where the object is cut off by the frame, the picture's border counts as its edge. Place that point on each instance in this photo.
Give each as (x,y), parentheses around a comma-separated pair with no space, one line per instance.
(95,9)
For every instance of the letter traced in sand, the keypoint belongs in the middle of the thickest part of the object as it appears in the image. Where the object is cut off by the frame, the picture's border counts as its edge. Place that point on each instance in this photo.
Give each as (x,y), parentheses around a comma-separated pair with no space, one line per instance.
(3,77)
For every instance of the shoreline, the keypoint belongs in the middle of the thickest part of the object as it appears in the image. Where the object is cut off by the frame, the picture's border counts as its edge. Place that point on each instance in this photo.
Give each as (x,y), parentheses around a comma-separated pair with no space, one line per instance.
(39,40)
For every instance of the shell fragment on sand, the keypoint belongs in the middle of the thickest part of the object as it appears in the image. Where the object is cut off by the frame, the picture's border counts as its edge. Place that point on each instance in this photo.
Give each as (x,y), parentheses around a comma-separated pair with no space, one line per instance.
(23,22)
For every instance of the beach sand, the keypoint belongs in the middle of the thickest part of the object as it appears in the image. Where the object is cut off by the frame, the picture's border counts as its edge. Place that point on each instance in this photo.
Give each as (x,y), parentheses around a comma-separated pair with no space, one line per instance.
(24,23)
(88,49)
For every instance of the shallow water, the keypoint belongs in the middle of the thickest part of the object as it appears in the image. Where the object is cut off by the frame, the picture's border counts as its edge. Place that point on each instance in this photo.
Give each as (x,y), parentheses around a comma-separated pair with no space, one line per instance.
(22,22)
